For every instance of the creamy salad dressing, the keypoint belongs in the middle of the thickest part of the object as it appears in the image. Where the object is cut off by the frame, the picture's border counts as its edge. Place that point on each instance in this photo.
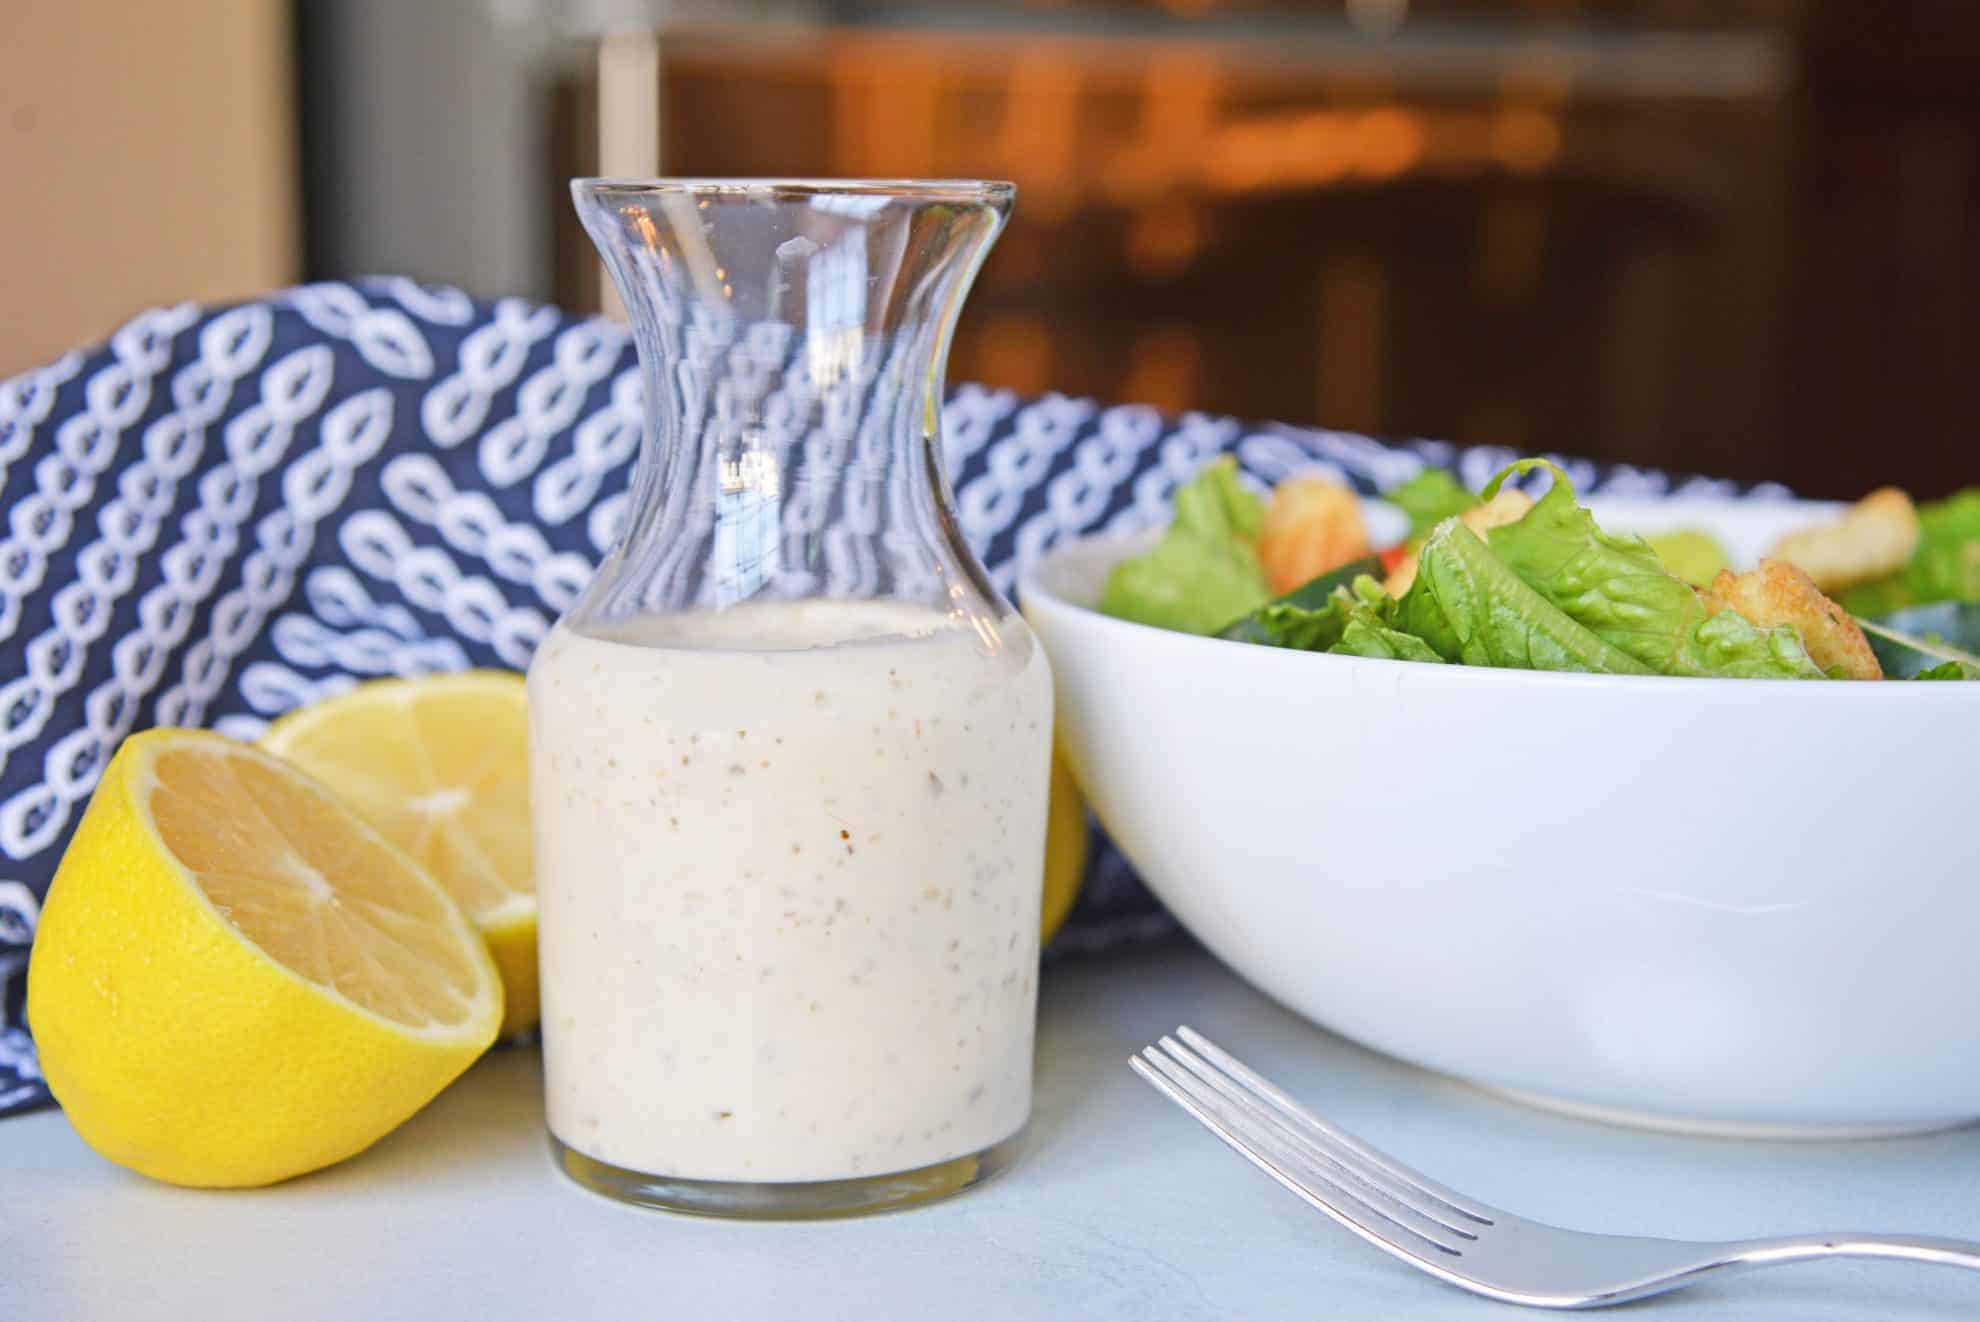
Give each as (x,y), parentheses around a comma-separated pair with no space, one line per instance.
(789,860)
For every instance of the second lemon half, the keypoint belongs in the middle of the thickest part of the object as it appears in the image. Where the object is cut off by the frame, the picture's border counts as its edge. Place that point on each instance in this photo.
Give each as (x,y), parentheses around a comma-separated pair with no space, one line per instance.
(439,765)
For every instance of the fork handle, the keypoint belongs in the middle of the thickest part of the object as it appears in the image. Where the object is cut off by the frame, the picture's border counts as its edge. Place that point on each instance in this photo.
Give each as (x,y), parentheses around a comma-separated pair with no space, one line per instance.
(1856,1244)
(1738,1257)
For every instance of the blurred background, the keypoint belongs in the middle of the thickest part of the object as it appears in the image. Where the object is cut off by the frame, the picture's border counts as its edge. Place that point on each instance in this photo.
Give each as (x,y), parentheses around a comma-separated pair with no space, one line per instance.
(1740,236)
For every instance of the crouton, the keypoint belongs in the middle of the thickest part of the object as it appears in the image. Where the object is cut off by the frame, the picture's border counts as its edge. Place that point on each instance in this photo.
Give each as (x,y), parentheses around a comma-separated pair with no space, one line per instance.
(1311,526)
(1874,538)
(1779,593)
(1506,507)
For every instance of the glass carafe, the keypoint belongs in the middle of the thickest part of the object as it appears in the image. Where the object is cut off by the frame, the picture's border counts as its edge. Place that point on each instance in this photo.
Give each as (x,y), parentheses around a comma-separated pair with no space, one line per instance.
(789,750)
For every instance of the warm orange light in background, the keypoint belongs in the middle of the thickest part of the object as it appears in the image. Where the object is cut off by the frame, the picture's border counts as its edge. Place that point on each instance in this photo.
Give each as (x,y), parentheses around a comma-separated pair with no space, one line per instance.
(1317,148)
(1015,350)
(1164,367)
(1525,140)
(1512,242)
(1390,143)
(1165,238)
(1535,222)
(1036,139)
(905,105)
(1353,308)
(1180,95)
(888,97)
(1164,139)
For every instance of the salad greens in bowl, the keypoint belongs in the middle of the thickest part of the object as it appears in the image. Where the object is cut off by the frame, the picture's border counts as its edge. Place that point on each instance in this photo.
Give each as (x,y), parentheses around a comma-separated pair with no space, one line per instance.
(1542,588)
(1515,801)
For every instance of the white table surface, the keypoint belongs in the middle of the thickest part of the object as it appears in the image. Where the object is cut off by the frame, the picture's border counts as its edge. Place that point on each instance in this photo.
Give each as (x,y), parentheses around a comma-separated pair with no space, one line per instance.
(1121,1209)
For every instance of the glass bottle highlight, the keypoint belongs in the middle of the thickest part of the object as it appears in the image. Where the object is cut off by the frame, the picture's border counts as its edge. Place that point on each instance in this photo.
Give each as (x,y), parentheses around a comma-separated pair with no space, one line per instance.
(790,748)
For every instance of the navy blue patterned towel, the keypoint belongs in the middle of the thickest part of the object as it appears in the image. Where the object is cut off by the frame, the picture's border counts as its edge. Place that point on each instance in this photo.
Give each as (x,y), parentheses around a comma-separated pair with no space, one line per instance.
(222,514)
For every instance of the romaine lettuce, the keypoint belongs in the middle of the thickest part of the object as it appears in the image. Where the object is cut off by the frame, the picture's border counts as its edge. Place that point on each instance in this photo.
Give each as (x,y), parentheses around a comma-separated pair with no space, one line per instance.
(1204,573)
(1945,567)
(1615,586)
(1301,628)
(1366,635)
(1920,656)
(1470,607)
(1693,554)
(1291,620)
(1429,498)
(1355,622)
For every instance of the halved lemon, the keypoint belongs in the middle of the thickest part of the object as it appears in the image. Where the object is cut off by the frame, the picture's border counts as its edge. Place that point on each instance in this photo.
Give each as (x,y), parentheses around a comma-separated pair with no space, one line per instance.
(236,980)
(1065,847)
(440,765)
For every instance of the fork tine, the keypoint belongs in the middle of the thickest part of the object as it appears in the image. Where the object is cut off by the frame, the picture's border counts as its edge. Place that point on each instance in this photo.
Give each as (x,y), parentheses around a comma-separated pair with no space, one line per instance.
(1260,1144)
(1340,1166)
(1332,1137)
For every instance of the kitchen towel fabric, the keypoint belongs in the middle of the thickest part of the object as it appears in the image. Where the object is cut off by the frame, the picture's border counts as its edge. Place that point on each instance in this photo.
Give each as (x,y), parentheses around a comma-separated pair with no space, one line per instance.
(226,512)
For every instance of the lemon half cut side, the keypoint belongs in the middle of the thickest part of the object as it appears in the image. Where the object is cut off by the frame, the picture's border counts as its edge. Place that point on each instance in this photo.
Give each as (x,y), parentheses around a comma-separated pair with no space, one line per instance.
(440,766)
(236,980)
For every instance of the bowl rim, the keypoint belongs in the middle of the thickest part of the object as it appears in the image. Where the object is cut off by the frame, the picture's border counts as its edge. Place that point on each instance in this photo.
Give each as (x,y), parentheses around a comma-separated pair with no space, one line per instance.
(1112,545)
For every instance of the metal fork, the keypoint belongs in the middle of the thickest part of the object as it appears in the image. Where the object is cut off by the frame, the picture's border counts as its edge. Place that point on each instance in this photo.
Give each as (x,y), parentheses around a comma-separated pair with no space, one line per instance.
(1457,1238)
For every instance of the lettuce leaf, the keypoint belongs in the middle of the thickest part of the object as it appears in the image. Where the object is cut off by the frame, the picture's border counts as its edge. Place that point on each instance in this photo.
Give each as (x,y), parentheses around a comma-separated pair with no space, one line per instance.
(1919,656)
(1429,498)
(1945,567)
(1277,626)
(1729,646)
(1348,623)
(1301,628)
(1886,596)
(1692,554)
(1366,635)
(1469,607)
(1616,587)
(1204,573)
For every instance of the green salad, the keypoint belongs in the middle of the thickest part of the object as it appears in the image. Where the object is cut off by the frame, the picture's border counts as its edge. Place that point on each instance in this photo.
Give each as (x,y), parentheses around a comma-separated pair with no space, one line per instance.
(1547,590)
(1944,567)
(1205,571)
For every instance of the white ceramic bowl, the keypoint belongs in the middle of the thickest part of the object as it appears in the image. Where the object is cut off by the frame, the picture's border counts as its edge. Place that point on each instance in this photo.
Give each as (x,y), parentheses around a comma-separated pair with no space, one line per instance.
(1747,907)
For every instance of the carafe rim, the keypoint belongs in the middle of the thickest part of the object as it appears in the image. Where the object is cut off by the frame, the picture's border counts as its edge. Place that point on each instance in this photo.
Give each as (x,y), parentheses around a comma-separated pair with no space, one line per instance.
(982,191)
